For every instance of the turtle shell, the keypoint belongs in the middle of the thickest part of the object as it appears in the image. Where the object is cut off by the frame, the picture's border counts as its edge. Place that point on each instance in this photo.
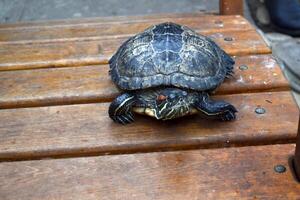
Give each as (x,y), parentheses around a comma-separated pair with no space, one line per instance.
(169,54)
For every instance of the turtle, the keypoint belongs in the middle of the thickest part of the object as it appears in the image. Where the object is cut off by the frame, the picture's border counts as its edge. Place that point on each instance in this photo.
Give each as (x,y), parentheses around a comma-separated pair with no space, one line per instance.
(169,71)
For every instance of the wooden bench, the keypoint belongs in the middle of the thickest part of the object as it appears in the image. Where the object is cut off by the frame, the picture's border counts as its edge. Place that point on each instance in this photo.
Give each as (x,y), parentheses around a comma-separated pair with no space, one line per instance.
(57,141)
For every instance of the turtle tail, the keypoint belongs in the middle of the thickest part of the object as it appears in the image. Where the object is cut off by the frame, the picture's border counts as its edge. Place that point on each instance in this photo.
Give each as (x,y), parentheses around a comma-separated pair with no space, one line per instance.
(112,67)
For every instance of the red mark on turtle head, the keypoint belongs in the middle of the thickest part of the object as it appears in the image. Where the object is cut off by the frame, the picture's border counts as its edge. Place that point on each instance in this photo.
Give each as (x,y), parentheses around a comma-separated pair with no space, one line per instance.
(161,97)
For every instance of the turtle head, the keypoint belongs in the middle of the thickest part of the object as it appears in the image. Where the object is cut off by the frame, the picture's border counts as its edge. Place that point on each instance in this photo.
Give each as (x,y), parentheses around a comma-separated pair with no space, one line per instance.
(171,103)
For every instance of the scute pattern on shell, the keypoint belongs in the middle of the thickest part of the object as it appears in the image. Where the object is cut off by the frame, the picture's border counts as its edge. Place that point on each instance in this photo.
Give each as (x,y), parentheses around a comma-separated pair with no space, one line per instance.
(169,55)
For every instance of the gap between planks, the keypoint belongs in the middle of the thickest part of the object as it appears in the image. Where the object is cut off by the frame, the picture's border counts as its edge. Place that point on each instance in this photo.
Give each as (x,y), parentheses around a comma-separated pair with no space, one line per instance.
(94,100)
(80,153)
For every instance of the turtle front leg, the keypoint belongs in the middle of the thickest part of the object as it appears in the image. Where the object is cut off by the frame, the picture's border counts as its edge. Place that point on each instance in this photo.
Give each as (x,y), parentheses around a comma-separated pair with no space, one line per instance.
(120,110)
(219,109)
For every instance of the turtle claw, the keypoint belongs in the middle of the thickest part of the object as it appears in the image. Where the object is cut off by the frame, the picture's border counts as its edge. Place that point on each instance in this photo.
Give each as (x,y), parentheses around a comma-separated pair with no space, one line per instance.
(130,117)
(123,119)
(120,109)
(217,109)
(229,114)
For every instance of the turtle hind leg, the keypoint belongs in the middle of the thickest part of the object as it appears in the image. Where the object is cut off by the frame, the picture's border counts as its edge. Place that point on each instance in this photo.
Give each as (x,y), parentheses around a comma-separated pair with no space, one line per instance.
(220,109)
(120,110)
(227,62)
(229,71)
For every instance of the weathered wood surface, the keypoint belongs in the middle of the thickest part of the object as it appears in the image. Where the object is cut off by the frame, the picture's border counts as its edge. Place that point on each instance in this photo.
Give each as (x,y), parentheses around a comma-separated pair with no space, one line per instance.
(65,131)
(97,50)
(232,173)
(108,19)
(92,41)
(297,154)
(55,32)
(86,129)
(40,87)
(231,7)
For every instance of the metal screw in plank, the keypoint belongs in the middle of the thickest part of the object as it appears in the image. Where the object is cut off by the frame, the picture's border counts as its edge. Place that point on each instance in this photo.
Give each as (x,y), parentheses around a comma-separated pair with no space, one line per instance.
(218,22)
(280,168)
(260,110)
(243,67)
(228,39)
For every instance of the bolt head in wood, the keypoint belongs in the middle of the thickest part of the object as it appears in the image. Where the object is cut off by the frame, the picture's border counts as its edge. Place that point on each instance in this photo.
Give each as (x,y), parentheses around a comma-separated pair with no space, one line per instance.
(260,110)
(228,39)
(280,168)
(218,22)
(243,67)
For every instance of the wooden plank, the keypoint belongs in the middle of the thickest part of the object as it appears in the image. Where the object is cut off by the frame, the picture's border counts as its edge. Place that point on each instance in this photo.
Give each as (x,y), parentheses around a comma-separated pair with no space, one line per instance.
(41,87)
(107,19)
(97,51)
(297,153)
(232,173)
(86,129)
(205,24)
(231,7)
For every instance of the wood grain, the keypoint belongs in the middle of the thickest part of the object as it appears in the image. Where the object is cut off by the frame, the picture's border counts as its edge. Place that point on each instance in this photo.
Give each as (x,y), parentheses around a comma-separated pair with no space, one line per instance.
(204,24)
(232,173)
(42,87)
(231,7)
(88,51)
(297,154)
(66,131)
(107,19)
(86,129)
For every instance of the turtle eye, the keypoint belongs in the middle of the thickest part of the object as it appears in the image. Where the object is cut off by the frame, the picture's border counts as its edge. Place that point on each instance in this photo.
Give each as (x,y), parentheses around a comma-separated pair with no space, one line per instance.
(172,96)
